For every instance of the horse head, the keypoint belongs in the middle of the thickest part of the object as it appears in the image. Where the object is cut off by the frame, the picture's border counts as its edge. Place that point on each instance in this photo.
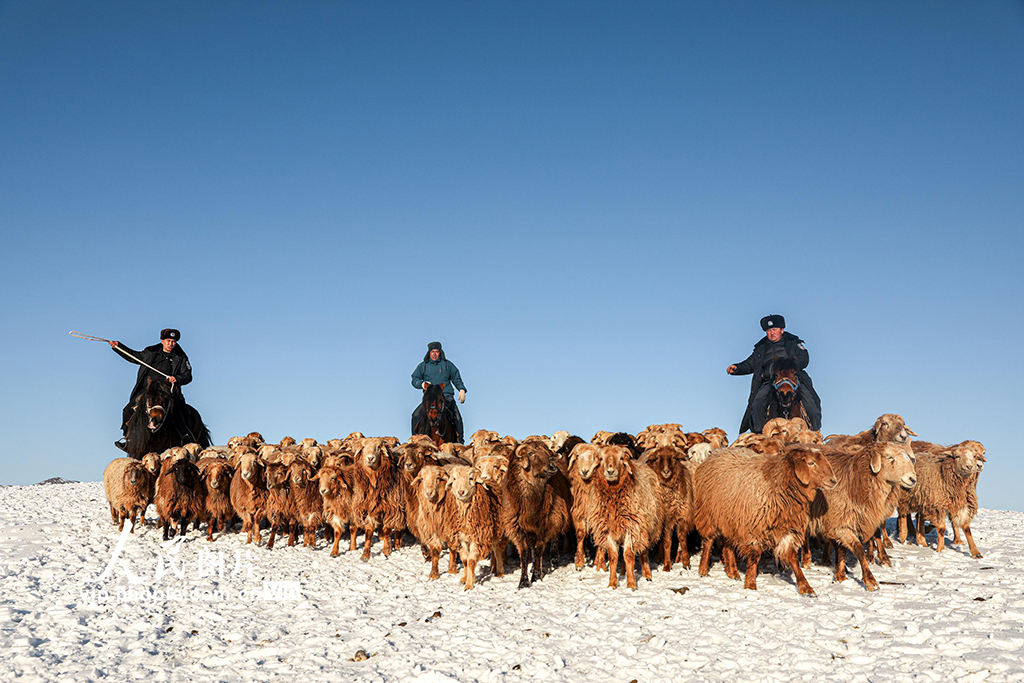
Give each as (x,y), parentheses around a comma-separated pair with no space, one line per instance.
(158,403)
(433,402)
(785,379)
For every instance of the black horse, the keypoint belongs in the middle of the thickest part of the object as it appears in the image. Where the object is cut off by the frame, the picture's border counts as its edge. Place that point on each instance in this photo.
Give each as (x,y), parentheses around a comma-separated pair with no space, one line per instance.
(162,420)
(784,398)
(435,420)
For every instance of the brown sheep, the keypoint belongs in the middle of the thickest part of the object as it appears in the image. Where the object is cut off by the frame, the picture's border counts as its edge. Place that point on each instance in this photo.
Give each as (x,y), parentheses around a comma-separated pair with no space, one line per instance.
(628,514)
(335,486)
(850,513)
(380,504)
(717,437)
(305,495)
(249,493)
(435,517)
(129,488)
(945,478)
(675,486)
(477,521)
(279,508)
(756,502)
(410,458)
(536,504)
(888,428)
(217,474)
(584,461)
(180,496)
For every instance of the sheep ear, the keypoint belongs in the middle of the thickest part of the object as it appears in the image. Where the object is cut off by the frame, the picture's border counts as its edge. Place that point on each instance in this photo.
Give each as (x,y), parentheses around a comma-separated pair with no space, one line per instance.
(910,431)
(802,471)
(876,461)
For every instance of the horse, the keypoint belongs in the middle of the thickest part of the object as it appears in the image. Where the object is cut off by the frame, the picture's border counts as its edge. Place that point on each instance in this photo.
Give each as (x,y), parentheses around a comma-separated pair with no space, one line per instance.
(435,420)
(784,398)
(162,420)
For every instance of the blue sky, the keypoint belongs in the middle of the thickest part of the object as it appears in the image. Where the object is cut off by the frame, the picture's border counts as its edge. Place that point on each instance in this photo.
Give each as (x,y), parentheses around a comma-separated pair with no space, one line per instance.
(590,204)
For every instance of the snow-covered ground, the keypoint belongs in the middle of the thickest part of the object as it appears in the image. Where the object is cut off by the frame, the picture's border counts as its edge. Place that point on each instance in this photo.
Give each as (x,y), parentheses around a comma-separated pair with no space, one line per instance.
(219,613)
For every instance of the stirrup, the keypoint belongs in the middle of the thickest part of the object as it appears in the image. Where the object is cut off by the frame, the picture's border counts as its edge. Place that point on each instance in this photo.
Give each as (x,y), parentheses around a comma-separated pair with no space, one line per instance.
(122,443)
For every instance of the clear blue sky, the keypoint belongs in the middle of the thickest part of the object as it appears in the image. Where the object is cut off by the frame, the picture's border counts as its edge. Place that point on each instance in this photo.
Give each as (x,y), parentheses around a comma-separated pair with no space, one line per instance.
(591,204)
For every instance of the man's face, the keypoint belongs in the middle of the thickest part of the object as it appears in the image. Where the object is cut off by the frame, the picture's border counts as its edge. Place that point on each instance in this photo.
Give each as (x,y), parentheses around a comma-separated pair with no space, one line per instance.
(435,354)
(775,333)
(168,345)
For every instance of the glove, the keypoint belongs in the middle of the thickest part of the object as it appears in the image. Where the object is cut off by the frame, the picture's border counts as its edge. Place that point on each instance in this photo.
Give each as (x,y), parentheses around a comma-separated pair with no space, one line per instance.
(462,395)
(425,385)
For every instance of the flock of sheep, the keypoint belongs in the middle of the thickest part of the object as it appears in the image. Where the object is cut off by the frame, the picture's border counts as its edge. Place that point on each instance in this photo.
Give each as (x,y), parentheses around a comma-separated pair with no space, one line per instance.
(771,492)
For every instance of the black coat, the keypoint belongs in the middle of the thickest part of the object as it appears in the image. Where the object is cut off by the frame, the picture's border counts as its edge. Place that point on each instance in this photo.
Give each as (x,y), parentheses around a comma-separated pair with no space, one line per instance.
(174,363)
(758,361)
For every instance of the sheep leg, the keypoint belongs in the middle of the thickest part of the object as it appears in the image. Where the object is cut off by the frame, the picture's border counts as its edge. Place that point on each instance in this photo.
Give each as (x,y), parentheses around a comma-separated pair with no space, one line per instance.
(120,520)
(683,554)
(705,556)
(921,540)
(629,557)
(885,536)
(352,538)
(368,532)
(601,559)
(645,565)
(167,528)
(135,512)
(805,561)
(849,540)
(114,516)
(580,558)
(538,563)
(211,526)
(750,578)
(498,558)
(435,557)
(336,532)
(386,535)
(293,531)
(470,573)
(940,529)
(903,521)
(666,548)
(524,562)
(613,565)
(729,561)
(880,538)
(273,535)
(802,585)
(975,553)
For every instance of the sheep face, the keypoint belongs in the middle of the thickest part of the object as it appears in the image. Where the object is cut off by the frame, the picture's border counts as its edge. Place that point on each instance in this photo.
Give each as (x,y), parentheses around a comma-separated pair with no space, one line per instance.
(966,459)
(255,438)
(413,456)
(492,470)
(287,441)
(332,481)
(891,427)
(373,453)
(536,459)
(185,474)
(151,461)
(462,482)
(812,469)
(432,483)
(301,472)
(134,473)
(249,466)
(277,476)
(585,458)
(218,476)
(616,463)
(717,437)
(313,455)
(699,453)
(665,462)
(891,462)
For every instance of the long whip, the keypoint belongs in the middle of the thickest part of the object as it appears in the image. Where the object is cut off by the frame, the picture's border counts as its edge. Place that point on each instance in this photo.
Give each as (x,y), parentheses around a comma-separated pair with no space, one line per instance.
(89,337)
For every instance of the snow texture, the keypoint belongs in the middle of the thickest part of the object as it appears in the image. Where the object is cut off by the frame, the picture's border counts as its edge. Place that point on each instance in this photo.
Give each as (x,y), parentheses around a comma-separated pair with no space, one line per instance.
(213,611)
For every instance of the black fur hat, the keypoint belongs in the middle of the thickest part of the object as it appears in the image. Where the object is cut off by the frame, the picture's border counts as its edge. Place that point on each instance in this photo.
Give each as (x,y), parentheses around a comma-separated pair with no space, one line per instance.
(170,333)
(773,320)
(430,347)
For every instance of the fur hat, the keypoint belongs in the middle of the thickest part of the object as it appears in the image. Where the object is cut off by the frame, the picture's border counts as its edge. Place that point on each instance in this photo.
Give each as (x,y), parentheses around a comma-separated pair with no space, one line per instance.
(170,333)
(430,347)
(773,320)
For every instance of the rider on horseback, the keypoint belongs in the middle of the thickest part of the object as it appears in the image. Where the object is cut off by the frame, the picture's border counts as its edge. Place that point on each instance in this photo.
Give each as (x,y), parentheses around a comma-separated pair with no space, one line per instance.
(436,369)
(167,357)
(777,343)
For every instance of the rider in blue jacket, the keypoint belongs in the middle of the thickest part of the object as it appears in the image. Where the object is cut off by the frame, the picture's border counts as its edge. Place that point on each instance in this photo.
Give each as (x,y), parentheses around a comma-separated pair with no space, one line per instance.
(777,343)
(436,369)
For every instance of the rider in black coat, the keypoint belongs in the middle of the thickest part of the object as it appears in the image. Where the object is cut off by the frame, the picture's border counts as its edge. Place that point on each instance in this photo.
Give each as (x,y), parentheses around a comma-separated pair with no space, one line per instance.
(167,357)
(777,343)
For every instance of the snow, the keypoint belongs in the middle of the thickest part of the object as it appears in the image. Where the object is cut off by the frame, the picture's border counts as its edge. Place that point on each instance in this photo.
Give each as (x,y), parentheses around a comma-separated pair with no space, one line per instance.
(224,611)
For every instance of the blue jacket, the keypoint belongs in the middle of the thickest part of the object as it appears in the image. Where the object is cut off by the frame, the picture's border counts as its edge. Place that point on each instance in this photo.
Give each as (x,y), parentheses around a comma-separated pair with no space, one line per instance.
(436,372)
